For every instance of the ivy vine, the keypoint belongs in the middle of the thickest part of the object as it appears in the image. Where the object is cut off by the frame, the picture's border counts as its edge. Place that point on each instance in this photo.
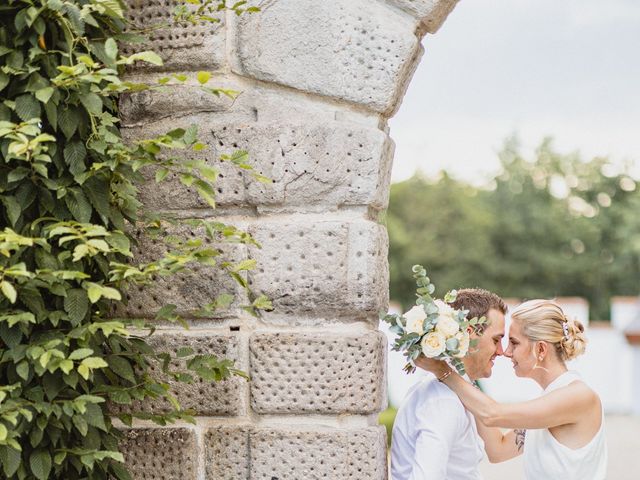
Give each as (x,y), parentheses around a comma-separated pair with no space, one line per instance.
(68,202)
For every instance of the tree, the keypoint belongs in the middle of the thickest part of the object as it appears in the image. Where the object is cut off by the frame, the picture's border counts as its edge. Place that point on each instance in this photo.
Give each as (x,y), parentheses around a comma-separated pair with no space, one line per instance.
(552,226)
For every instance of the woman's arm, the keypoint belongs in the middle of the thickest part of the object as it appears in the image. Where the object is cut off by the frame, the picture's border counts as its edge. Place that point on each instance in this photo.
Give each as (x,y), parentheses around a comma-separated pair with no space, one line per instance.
(501,446)
(559,407)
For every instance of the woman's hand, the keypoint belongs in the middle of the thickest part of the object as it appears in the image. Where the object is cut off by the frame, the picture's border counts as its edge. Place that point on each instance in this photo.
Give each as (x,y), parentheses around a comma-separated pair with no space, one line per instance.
(437,367)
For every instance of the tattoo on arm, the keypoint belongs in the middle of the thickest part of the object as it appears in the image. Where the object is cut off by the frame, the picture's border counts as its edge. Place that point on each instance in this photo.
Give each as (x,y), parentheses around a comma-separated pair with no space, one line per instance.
(520,434)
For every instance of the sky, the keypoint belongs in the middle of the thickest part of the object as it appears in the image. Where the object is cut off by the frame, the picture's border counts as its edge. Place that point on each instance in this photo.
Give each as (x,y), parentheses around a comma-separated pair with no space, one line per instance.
(569,69)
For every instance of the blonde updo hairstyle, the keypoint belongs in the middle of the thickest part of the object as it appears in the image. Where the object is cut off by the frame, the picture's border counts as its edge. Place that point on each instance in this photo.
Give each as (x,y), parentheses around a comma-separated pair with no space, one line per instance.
(543,320)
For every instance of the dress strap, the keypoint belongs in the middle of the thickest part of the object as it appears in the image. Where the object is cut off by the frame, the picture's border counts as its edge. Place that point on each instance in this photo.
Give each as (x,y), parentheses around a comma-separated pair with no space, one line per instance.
(563,380)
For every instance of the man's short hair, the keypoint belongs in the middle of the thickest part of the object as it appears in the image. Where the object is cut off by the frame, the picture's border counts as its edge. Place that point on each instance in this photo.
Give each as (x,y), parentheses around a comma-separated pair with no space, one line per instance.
(478,301)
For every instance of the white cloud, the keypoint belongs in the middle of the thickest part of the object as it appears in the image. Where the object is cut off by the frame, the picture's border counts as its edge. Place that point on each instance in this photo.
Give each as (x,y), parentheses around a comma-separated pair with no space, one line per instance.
(535,67)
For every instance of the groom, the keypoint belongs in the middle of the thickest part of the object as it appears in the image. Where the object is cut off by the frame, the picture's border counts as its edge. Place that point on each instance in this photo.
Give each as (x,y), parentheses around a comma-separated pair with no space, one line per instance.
(434,437)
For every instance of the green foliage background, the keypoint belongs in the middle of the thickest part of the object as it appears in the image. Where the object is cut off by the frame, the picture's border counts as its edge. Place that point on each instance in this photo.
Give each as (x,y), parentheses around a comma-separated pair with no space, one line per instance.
(552,225)
(68,204)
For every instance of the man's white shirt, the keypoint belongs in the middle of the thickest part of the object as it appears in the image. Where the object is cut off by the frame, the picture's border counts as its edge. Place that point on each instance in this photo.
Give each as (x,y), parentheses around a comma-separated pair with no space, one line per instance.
(434,437)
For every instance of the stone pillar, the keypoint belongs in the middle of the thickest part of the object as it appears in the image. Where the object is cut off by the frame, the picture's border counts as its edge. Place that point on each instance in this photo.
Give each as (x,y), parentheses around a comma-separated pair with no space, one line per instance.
(319,81)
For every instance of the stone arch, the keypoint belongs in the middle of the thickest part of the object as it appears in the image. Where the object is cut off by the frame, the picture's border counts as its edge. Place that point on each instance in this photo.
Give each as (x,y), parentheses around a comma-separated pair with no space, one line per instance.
(319,81)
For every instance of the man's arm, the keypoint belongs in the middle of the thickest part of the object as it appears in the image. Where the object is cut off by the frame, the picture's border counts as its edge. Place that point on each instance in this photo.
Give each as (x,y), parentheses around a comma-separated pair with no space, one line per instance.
(438,431)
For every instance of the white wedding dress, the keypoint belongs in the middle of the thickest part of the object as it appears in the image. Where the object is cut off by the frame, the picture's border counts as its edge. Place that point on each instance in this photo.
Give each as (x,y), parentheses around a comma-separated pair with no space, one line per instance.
(546,458)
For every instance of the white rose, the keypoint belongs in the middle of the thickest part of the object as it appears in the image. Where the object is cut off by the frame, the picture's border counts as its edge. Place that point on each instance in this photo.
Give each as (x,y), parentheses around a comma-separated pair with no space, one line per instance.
(444,308)
(415,320)
(463,344)
(433,344)
(447,326)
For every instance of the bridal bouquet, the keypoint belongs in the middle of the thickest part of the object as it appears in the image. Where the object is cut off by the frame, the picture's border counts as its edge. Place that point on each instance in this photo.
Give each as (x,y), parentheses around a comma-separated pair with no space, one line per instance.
(432,328)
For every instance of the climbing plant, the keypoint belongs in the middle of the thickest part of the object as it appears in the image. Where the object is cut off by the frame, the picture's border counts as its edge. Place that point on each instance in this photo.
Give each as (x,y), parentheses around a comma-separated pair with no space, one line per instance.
(68,208)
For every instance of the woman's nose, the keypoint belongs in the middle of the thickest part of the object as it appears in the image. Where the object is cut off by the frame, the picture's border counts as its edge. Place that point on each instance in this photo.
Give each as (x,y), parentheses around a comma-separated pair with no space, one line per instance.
(508,353)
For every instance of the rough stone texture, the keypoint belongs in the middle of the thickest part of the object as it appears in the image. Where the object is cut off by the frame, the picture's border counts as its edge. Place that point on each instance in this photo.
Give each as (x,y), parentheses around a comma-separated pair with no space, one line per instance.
(317,373)
(142,108)
(183,45)
(322,267)
(355,50)
(310,164)
(309,453)
(190,289)
(206,398)
(257,102)
(227,453)
(319,81)
(160,453)
(432,13)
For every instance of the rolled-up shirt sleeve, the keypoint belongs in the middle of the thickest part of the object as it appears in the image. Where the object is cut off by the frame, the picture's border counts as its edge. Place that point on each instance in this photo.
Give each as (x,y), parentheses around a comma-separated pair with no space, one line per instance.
(437,433)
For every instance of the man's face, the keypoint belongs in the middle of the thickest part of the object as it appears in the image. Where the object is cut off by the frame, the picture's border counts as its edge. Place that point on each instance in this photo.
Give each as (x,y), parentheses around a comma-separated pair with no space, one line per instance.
(479,362)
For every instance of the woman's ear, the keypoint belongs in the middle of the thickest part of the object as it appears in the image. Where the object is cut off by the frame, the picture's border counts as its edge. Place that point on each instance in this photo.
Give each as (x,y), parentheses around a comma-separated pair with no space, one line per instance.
(542,349)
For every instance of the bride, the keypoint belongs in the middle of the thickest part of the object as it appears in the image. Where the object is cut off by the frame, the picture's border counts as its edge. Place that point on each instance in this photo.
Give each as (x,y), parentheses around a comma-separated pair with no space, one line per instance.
(561,432)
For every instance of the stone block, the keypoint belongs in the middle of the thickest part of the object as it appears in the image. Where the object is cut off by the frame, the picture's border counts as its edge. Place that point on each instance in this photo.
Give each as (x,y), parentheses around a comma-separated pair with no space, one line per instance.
(432,13)
(354,50)
(310,165)
(318,454)
(295,453)
(160,453)
(227,455)
(225,397)
(318,373)
(190,289)
(312,267)
(171,102)
(182,45)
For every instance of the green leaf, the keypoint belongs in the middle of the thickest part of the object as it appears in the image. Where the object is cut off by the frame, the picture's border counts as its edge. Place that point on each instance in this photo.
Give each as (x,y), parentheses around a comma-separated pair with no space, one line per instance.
(83,370)
(74,154)
(80,353)
(263,303)
(184,352)
(95,417)
(51,109)
(9,291)
(78,205)
(22,369)
(161,174)
(40,463)
(203,77)
(68,120)
(11,460)
(99,192)
(79,252)
(4,80)
(248,264)
(66,366)
(75,17)
(149,57)
(113,8)
(27,107)
(44,94)
(92,102)
(121,367)
(96,291)
(111,49)
(13,209)
(76,304)
(94,362)
(81,425)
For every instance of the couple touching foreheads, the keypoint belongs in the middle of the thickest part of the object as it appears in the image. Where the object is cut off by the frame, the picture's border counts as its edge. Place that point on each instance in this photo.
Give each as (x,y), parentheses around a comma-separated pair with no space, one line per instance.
(445,424)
